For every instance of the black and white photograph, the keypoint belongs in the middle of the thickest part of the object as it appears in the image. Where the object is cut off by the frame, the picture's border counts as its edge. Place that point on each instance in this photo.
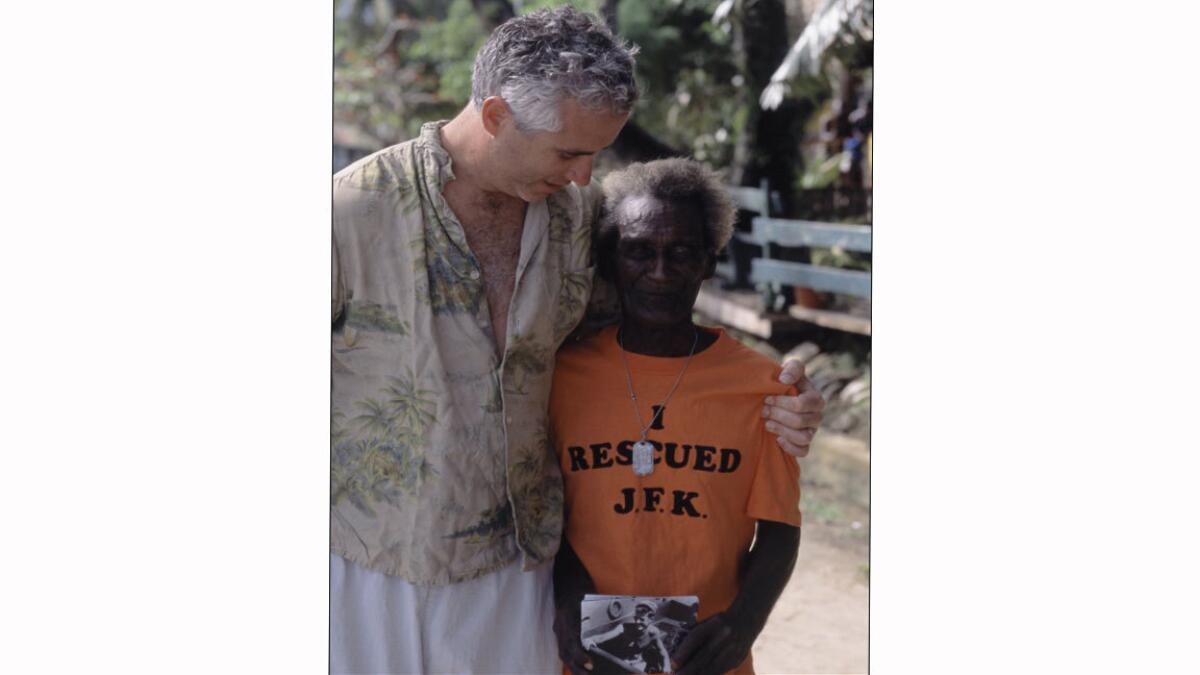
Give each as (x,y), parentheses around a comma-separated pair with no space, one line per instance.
(633,633)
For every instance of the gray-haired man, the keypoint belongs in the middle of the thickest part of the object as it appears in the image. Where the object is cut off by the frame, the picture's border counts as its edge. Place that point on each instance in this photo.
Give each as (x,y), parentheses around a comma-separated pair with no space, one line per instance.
(461,260)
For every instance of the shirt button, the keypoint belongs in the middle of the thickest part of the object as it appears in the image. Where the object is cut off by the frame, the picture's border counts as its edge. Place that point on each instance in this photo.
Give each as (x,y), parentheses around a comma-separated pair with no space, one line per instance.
(474,274)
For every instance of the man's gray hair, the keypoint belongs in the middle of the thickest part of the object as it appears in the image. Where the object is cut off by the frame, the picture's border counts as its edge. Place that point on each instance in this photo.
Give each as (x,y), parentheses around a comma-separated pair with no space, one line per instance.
(536,61)
(676,180)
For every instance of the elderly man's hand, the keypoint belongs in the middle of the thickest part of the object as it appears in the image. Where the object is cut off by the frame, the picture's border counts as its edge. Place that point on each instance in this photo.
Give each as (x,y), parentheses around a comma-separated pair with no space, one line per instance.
(716,645)
(570,648)
(794,419)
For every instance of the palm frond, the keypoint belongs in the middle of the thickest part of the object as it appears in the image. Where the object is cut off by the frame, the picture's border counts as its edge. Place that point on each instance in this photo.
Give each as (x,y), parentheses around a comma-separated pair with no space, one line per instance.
(835,20)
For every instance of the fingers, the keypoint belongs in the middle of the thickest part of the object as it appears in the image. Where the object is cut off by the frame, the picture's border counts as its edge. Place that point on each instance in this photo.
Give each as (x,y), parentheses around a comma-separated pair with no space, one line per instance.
(799,434)
(784,418)
(793,372)
(721,653)
(702,636)
(579,668)
(693,641)
(577,659)
(570,649)
(794,420)
(706,655)
(794,436)
(793,449)
(807,401)
(699,663)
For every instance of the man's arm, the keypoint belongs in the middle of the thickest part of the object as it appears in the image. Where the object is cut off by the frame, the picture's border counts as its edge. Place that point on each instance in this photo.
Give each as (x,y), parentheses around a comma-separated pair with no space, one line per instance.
(662,649)
(600,639)
(571,583)
(794,419)
(721,642)
(338,285)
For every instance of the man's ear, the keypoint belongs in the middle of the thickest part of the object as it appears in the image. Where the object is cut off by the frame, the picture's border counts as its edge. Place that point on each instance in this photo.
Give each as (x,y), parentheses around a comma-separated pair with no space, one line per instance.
(495,113)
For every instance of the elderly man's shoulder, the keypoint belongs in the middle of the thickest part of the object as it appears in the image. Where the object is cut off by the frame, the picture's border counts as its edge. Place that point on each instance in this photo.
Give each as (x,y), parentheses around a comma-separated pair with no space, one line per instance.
(587,346)
(756,370)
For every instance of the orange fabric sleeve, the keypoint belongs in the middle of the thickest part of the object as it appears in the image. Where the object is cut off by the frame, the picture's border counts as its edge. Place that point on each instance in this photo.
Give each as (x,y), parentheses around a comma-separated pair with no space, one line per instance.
(775,492)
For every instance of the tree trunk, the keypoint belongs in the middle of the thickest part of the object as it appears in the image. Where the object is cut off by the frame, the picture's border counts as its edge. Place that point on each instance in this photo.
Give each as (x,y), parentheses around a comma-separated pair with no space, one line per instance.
(768,146)
(608,11)
(634,143)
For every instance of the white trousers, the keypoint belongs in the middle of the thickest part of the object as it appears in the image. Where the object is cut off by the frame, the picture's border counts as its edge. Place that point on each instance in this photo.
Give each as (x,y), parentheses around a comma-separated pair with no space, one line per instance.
(499,623)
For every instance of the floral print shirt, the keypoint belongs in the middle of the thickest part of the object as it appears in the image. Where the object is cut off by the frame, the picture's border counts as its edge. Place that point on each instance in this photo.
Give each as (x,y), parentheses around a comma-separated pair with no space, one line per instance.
(440,466)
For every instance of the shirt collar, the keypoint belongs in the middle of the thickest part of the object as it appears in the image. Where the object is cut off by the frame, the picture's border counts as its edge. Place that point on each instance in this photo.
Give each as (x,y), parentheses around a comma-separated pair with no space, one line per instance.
(431,141)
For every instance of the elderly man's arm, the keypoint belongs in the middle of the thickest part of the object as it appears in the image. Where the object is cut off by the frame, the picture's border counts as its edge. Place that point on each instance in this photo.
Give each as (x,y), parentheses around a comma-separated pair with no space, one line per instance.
(794,419)
(722,641)
(571,583)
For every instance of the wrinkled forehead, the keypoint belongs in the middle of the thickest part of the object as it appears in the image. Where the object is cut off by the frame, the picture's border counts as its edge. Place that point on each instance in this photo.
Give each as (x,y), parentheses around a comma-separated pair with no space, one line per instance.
(645,216)
(582,130)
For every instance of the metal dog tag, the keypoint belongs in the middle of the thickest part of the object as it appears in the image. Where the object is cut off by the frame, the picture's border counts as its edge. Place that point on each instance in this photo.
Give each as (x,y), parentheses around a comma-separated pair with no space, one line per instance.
(643,458)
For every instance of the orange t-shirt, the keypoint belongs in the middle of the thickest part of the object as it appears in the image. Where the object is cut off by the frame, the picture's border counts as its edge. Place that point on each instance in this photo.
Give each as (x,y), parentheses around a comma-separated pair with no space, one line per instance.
(685,528)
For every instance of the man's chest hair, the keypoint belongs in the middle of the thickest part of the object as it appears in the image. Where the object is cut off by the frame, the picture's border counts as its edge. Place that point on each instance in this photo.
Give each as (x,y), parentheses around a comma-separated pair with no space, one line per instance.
(493,229)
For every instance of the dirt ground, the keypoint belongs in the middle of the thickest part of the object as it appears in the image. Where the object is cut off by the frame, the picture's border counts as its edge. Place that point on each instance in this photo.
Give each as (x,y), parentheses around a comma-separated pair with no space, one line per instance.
(820,623)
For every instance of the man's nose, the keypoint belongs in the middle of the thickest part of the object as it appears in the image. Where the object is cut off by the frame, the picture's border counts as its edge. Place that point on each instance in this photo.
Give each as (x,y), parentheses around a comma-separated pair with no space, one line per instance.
(659,270)
(580,172)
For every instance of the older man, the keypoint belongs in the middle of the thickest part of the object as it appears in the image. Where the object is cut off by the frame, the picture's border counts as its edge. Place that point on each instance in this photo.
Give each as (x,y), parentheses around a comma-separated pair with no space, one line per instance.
(461,261)
(669,473)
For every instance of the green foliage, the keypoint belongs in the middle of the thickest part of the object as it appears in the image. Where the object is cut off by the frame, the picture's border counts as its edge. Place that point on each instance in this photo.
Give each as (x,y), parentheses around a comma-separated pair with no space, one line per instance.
(686,69)
(449,48)
(583,5)
(842,259)
(822,174)
(391,78)
(688,76)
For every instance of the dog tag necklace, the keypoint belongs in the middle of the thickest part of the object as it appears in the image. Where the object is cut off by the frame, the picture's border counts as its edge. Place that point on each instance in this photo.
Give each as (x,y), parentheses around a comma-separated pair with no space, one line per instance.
(643,450)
